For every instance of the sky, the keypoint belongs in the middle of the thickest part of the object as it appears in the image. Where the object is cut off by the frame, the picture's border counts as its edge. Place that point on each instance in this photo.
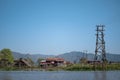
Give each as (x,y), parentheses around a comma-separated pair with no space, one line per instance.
(58,26)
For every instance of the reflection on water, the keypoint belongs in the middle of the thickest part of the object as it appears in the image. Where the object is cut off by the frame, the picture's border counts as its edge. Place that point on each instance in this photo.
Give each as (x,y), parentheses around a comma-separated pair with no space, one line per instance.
(100,75)
(5,76)
(59,75)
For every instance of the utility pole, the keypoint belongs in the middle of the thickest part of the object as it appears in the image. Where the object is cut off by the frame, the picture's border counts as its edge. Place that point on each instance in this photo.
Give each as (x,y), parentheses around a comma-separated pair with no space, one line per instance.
(100,53)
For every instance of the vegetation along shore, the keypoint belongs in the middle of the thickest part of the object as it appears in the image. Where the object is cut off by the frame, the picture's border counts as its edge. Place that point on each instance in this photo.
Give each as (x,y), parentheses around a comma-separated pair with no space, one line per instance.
(8,63)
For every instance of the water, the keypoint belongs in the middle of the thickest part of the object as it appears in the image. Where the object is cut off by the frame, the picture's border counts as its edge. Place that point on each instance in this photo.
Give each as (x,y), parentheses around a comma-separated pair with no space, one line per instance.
(59,75)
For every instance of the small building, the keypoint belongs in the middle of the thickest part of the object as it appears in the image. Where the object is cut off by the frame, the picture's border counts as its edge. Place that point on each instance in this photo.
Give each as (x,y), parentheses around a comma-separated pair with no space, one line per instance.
(92,62)
(52,62)
(43,64)
(22,63)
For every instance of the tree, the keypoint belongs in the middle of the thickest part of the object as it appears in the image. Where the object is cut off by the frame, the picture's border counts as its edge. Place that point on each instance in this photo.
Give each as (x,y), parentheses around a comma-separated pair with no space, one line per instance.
(7,54)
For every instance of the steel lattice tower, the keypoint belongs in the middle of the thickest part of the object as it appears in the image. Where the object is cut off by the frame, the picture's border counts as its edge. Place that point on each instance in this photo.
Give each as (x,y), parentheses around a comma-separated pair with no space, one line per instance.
(100,53)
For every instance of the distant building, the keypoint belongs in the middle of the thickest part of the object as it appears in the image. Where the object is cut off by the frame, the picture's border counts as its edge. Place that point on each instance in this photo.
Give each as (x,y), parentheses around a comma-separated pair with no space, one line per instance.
(52,62)
(22,63)
(92,62)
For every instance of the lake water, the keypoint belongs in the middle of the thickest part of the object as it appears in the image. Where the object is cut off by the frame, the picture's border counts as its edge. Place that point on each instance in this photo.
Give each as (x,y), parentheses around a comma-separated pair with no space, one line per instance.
(59,75)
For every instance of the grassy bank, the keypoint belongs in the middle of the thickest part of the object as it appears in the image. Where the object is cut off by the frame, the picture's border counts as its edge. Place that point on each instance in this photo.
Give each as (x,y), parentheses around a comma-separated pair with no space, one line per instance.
(78,67)
(74,67)
(88,67)
(15,69)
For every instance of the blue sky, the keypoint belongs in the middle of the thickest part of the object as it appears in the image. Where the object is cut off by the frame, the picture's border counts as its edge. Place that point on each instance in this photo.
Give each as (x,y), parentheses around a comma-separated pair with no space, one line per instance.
(58,26)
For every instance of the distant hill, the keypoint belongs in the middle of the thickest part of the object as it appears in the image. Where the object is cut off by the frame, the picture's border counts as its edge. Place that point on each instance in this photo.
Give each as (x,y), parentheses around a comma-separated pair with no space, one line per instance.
(76,56)
(73,56)
(113,57)
(34,57)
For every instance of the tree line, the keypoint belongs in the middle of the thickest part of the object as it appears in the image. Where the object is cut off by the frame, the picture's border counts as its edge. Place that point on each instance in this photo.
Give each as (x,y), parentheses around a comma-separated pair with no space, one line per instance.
(6,57)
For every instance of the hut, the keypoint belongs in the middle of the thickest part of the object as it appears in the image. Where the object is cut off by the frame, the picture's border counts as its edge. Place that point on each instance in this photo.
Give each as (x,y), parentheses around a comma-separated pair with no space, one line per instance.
(52,62)
(22,63)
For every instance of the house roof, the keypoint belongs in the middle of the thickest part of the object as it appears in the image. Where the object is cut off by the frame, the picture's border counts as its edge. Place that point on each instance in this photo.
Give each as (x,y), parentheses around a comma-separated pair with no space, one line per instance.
(43,61)
(24,61)
(54,59)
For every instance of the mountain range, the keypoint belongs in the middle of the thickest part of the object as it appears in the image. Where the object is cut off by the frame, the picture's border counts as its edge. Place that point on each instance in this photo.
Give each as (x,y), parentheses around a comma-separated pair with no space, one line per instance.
(70,56)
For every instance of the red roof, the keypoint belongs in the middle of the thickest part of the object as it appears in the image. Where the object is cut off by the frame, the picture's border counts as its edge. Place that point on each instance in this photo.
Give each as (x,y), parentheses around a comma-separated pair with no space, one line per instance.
(54,59)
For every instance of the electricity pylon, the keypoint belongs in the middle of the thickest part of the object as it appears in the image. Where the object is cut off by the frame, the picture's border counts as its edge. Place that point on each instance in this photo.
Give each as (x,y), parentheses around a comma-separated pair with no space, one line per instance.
(100,53)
